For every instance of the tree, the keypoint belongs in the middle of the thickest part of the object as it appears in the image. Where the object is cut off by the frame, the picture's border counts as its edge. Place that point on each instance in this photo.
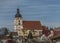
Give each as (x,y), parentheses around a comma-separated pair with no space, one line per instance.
(10,36)
(6,31)
(30,35)
(51,28)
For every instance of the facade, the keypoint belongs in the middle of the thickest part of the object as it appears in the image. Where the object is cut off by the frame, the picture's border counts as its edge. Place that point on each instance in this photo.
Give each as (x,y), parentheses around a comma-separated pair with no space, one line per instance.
(23,27)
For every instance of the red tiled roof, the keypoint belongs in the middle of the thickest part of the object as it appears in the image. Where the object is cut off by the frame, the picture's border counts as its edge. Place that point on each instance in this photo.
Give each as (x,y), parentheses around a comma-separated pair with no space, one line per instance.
(10,41)
(4,37)
(57,29)
(56,33)
(32,25)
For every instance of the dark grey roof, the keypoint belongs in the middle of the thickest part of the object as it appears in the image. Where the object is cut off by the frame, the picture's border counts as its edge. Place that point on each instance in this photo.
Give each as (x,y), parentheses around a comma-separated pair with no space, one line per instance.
(18,14)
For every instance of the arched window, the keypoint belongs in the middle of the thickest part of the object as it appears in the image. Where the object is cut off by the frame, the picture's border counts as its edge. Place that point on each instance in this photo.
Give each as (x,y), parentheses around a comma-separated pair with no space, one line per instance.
(19,23)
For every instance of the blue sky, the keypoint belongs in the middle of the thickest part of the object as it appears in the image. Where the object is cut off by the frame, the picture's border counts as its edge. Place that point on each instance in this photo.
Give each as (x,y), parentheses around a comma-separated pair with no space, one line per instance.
(46,11)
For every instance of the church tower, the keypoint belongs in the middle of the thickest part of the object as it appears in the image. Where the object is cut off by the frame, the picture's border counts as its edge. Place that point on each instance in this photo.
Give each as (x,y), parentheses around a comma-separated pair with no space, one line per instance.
(18,21)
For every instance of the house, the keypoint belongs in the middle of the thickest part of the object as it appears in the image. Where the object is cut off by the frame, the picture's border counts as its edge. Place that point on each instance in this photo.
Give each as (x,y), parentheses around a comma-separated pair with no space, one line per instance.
(56,36)
(5,39)
(57,29)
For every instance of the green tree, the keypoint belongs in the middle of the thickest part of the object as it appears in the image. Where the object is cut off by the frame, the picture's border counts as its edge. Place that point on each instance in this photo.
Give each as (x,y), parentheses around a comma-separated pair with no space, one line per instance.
(6,31)
(30,35)
(10,36)
(51,28)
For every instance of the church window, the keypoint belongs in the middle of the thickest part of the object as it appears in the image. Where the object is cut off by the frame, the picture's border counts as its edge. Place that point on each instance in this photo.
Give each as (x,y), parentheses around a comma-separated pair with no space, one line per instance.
(19,23)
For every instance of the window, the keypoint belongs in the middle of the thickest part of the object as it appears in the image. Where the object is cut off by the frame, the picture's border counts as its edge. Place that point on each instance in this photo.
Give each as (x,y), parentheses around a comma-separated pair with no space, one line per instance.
(19,22)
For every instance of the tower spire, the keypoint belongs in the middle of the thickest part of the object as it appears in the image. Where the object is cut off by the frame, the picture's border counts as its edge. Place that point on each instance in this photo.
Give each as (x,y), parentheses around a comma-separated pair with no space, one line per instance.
(17,10)
(18,13)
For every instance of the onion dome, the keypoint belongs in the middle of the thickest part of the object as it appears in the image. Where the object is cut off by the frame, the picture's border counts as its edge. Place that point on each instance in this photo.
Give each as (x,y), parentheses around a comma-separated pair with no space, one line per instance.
(18,14)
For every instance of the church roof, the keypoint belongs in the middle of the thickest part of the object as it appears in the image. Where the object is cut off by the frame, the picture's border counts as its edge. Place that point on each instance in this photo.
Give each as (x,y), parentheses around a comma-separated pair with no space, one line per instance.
(32,25)
(18,14)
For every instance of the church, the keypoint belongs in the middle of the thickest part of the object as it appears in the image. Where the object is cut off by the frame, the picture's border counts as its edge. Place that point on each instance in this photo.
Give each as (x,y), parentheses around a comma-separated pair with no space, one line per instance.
(23,27)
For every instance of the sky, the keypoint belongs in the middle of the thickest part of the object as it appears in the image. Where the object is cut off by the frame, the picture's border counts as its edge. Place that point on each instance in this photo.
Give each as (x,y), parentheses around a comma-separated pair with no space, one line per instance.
(45,11)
